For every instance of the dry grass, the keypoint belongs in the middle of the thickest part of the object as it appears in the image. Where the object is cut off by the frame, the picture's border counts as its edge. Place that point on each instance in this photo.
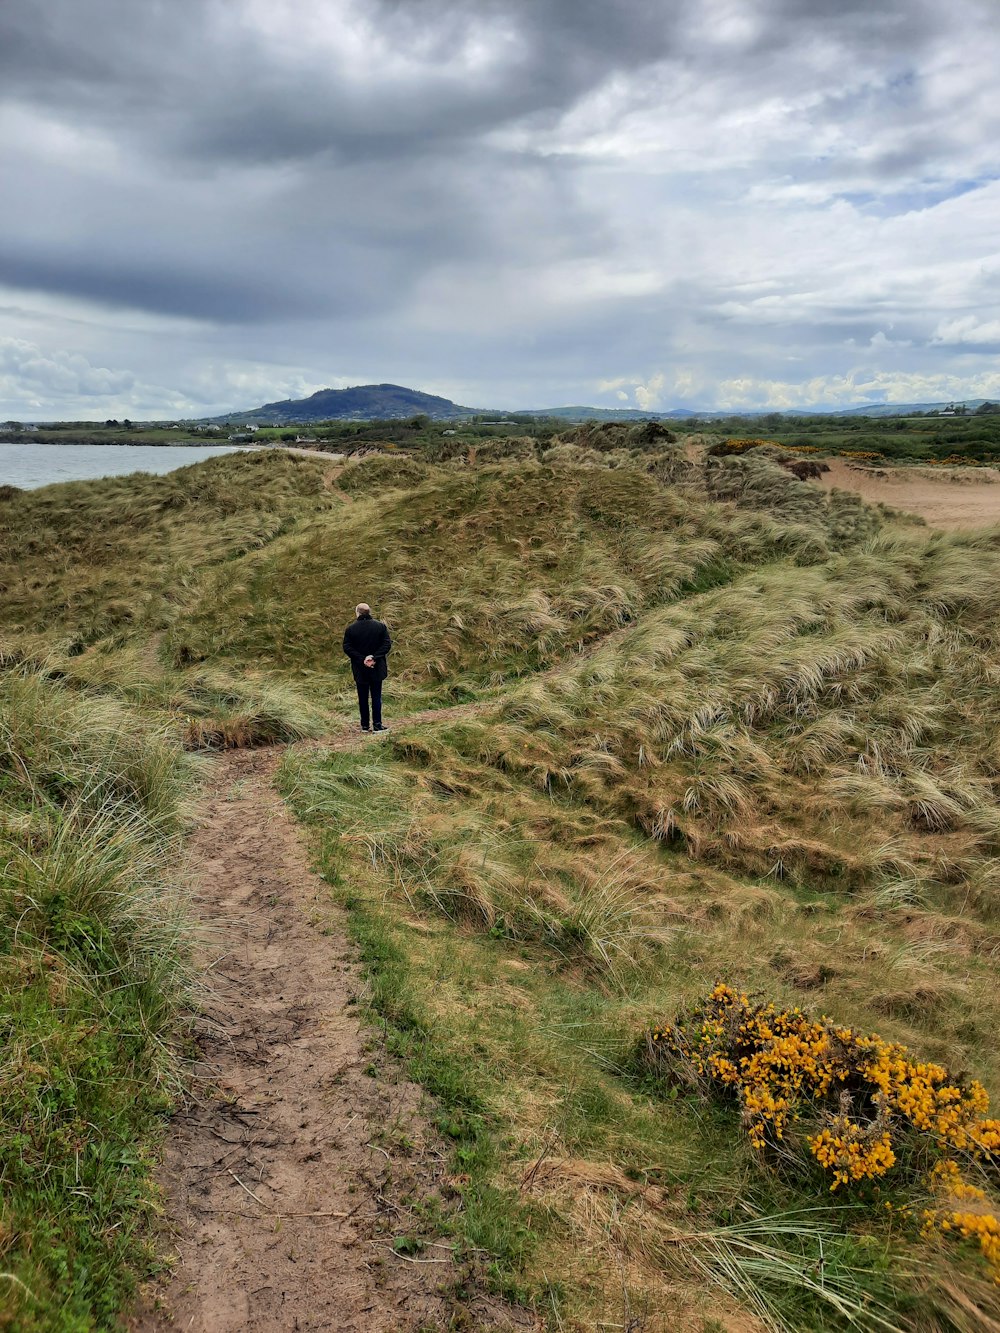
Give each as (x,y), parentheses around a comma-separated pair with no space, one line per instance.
(793,720)
(84,560)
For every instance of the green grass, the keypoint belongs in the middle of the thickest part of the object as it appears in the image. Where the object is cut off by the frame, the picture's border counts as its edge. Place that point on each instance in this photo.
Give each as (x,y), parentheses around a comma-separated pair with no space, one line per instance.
(972,438)
(83,561)
(482,573)
(92,968)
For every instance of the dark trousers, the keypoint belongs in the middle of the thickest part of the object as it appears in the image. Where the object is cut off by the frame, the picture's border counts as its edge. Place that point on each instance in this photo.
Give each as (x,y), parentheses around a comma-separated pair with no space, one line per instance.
(371,688)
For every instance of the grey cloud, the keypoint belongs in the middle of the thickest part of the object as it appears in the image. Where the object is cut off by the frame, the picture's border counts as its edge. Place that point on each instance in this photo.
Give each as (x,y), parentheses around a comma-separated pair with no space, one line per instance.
(344,206)
(192,77)
(162,287)
(189,81)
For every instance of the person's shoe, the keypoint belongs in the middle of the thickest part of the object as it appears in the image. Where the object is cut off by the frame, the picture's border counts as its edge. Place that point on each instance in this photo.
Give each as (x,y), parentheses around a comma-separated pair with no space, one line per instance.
(380,728)
(366,729)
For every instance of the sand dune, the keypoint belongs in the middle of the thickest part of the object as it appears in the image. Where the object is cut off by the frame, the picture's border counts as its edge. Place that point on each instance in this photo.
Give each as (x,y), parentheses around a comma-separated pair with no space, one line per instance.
(947,498)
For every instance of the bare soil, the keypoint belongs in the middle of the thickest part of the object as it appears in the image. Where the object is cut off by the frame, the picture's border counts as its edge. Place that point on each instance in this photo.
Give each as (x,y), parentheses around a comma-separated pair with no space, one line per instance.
(952,499)
(302,1150)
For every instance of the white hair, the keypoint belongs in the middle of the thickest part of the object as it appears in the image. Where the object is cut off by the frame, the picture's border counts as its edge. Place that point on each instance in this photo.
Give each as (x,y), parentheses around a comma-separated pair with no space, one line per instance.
(362,608)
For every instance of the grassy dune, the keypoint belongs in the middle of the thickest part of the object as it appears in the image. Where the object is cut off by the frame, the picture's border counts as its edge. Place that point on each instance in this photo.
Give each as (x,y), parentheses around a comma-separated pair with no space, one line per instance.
(487,572)
(83,561)
(722,726)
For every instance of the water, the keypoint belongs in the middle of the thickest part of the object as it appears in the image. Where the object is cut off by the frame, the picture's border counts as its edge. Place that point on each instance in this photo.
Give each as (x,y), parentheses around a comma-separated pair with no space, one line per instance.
(31,465)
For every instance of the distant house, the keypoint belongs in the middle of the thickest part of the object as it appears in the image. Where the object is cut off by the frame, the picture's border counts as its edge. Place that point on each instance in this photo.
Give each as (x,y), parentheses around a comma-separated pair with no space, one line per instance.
(449,432)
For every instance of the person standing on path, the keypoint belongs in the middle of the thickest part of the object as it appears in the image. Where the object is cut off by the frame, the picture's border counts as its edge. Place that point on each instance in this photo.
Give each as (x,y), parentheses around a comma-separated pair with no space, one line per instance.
(367,644)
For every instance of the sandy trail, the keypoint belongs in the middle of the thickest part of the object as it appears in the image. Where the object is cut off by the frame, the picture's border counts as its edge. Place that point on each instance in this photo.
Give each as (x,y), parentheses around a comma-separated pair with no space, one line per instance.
(287,1175)
(944,503)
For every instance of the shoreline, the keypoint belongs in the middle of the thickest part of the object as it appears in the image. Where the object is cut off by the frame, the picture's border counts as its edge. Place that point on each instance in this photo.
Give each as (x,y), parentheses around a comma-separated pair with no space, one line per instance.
(142,444)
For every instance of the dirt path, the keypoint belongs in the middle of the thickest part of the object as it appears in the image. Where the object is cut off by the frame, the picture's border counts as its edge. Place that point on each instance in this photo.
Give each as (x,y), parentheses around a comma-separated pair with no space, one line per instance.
(288,1174)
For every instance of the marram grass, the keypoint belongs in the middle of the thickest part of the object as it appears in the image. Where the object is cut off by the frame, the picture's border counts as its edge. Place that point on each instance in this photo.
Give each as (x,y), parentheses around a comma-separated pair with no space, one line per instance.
(93,965)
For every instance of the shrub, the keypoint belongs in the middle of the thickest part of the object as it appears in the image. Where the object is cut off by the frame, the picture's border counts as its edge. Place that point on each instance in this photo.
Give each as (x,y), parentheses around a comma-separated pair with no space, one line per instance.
(861,1107)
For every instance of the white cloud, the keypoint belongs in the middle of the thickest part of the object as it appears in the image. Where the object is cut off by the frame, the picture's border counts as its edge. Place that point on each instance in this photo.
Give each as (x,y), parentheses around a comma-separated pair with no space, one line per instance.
(29,374)
(853,390)
(646,394)
(649,396)
(35,381)
(968,329)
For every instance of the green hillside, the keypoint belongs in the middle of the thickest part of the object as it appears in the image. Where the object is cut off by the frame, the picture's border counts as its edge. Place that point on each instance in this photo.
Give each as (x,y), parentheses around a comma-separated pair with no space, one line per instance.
(700,722)
(360,402)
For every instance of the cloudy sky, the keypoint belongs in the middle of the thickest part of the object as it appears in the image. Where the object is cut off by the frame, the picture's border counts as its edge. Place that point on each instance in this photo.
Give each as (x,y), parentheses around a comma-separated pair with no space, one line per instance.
(207,204)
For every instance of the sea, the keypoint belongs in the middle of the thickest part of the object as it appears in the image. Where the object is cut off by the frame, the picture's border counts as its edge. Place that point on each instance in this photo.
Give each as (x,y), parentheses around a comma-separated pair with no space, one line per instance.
(31,465)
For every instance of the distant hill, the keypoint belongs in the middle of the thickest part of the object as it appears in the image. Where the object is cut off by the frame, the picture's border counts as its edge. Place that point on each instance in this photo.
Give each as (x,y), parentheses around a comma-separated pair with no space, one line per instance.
(362,402)
(579,413)
(387,402)
(904,409)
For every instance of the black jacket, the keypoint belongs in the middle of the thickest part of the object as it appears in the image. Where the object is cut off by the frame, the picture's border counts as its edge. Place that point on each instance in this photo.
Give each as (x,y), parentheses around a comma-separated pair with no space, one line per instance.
(367,637)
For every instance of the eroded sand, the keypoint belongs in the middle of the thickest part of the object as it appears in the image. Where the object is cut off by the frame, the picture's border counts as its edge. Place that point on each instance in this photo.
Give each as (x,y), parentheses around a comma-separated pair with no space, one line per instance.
(942,500)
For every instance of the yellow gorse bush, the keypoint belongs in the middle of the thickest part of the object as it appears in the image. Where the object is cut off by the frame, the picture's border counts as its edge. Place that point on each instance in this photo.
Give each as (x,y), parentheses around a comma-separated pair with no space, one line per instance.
(859,1105)
(851,1152)
(963,1210)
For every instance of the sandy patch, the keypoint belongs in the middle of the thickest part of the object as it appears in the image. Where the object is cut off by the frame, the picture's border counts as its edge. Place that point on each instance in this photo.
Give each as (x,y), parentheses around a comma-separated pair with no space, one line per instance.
(944,499)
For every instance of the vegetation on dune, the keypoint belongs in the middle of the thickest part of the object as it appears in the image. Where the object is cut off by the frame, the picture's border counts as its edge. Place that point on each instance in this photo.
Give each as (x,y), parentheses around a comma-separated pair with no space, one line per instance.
(858,1106)
(722,723)
(611,436)
(487,572)
(516,942)
(83,560)
(798,694)
(92,965)
(811,722)
(207,709)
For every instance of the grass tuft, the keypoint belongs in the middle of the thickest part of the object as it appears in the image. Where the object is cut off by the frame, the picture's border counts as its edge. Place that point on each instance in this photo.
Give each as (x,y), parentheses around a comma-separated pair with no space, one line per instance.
(93,966)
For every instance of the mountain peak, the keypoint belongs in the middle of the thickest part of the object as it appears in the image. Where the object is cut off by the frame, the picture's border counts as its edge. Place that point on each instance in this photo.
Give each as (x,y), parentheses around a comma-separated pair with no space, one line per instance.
(361,402)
